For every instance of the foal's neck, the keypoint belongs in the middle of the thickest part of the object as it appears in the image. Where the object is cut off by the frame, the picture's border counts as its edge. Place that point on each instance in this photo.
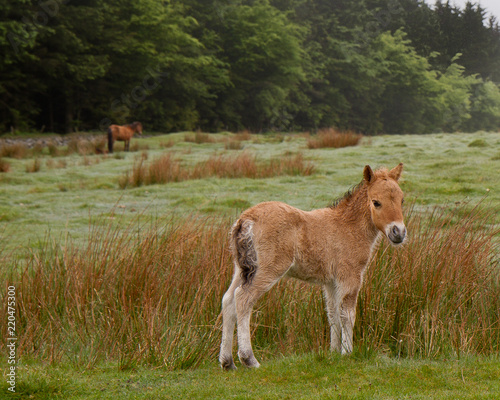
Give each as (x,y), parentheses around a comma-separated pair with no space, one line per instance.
(356,210)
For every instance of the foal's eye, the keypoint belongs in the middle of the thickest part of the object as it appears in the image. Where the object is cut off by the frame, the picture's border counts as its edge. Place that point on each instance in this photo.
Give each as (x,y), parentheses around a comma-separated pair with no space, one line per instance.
(377,204)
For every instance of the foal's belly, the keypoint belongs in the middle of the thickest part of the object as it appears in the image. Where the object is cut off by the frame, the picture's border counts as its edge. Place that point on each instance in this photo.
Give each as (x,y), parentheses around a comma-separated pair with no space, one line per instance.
(308,273)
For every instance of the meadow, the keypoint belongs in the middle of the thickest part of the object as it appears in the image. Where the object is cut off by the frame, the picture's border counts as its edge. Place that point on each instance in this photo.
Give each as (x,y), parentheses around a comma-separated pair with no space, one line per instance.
(120,263)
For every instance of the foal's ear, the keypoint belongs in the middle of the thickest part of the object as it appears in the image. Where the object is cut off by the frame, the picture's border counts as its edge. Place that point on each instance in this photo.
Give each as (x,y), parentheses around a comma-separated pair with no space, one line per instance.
(368,174)
(396,172)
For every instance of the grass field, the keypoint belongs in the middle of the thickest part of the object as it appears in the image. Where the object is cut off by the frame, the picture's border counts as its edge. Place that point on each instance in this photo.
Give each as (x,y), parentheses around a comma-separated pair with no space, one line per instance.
(67,191)
(112,301)
(313,376)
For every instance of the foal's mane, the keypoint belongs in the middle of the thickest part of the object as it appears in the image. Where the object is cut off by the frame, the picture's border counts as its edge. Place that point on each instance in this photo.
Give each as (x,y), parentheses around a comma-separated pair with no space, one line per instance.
(381,173)
(347,195)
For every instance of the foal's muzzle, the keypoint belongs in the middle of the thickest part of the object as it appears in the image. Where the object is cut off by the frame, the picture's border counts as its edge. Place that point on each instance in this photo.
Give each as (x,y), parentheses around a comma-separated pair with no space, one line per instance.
(396,233)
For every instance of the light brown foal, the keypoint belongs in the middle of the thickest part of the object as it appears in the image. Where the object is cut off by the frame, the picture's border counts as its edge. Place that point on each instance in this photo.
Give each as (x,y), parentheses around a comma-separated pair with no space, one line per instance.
(330,246)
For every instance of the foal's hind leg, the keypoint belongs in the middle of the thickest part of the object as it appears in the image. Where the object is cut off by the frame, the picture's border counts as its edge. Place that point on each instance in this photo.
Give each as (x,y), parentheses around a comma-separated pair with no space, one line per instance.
(127,145)
(228,323)
(246,296)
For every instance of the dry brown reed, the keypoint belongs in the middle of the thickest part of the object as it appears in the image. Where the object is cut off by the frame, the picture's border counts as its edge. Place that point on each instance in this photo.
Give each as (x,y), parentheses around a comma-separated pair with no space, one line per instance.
(331,137)
(14,150)
(233,144)
(167,144)
(83,146)
(167,169)
(54,149)
(199,137)
(4,165)
(126,297)
(153,297)
(439,293)
(33,166)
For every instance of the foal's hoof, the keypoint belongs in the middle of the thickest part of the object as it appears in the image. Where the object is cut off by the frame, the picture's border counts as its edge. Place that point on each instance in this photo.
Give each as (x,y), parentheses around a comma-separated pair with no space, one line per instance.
(249,361)
(228,365)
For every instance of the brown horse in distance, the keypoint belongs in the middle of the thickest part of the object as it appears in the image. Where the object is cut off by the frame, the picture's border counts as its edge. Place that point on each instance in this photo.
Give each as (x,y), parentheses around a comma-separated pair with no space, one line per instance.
(123,133)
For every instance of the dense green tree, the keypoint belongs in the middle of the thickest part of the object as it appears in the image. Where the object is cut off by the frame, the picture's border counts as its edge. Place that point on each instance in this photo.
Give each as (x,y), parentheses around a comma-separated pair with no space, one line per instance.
(371,66)
(263,49)
(18,34)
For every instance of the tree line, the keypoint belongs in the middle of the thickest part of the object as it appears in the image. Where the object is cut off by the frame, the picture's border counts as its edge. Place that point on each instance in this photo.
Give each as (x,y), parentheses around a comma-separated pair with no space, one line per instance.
(372,66)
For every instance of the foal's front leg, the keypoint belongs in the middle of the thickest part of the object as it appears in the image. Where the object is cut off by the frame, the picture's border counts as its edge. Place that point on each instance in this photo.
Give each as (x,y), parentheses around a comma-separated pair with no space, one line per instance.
(332,301)
(348,318)
(341,302)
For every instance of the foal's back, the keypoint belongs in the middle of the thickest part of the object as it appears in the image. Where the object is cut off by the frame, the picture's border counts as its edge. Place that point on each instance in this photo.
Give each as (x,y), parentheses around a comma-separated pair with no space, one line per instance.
(307,245)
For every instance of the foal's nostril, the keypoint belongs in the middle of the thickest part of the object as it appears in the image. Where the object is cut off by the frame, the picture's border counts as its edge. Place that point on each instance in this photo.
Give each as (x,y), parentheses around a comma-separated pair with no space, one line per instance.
(397,233)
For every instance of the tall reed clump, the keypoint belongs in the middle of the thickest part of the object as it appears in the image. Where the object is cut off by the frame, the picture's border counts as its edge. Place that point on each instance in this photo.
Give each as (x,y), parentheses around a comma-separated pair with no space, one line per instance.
(331,137)
(439,294)
(152,296)
(4,165)
(149,298)
(199,137)
(164,169)
(14,150)
(167,169)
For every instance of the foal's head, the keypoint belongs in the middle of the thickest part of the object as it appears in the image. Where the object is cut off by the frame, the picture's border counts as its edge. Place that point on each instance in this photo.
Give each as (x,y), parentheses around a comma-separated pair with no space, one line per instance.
(386,201)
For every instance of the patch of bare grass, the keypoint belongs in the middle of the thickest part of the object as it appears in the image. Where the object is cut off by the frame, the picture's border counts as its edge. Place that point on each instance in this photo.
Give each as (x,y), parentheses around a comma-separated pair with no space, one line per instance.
(331,137)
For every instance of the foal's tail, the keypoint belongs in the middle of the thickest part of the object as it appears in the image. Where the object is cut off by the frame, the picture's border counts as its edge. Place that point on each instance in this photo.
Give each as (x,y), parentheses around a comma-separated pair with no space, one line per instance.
(243,249)
(110,140)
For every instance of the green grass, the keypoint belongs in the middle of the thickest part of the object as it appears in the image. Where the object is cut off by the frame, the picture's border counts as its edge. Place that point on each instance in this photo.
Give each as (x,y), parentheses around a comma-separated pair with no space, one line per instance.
(440,169)
(114,303)
(312,376)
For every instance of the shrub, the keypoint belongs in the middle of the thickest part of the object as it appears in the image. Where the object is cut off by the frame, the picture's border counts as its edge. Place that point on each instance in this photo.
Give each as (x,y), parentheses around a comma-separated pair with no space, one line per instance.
(478,143)
(333,138)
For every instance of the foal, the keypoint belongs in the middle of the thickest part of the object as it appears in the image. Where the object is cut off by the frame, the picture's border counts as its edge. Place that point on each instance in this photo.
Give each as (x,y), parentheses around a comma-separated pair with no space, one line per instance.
(123,133)
(330,247)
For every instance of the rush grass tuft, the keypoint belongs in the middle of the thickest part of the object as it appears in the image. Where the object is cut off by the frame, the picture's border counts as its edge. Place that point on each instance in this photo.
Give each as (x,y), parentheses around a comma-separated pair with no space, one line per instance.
(167,169)
(332,138)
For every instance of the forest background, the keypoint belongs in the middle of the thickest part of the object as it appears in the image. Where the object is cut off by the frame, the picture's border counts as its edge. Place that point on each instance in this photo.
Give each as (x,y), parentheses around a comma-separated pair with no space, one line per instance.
(373,66)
